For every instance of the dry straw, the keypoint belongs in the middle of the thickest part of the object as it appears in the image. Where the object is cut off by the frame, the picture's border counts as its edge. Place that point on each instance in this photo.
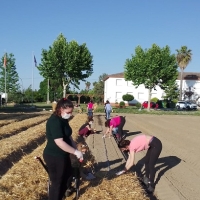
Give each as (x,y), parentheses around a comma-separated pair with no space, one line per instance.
(27,180)
(22,139)
(19,125)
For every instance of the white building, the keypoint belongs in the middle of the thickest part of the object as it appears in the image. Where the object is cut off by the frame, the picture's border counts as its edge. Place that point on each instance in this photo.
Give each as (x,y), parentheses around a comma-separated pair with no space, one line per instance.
(115,87)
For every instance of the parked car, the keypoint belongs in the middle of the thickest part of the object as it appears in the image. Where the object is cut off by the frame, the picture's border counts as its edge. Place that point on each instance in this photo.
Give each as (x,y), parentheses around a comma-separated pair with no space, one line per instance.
(152,105)
(191,105)
(186,105)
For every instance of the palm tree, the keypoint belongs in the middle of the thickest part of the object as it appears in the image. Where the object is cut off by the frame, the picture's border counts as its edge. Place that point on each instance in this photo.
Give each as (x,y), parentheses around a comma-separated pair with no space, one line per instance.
(87,86)
(183,57)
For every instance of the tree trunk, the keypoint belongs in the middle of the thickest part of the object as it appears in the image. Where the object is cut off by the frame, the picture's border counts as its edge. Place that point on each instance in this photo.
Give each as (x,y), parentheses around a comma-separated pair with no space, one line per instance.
(64,90)
(181,83)
(149,100)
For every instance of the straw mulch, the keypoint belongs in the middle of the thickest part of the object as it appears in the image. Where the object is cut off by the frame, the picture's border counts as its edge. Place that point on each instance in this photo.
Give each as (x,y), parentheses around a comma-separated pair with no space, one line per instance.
(10,129)
(28,180)
(124,187)
(22,139)
(10,118)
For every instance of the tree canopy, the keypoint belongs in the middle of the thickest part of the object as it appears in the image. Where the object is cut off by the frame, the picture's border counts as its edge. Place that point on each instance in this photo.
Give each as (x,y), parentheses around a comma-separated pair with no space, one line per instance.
(183,57)
(12,78)
(67,62)
(152,67)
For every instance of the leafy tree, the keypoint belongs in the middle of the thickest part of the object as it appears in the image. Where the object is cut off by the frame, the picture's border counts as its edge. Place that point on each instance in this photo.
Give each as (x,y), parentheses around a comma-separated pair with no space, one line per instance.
(127,97)
(87,85)
(28,95)
(55,90)
(183,57)
(172,92)
(12,78)
(99,87)
(151,67)
(66,62)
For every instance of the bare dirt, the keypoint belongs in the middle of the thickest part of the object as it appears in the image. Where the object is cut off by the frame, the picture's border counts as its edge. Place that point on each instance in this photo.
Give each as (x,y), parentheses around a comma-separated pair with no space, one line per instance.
(178,168)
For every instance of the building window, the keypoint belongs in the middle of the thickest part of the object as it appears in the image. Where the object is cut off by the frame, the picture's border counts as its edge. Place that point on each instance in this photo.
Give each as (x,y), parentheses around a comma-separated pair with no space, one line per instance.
(140,96)
(119,82)
(118,96)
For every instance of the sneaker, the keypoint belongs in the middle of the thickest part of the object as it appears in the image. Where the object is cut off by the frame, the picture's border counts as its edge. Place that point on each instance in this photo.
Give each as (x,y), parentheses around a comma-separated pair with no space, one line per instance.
(145,180)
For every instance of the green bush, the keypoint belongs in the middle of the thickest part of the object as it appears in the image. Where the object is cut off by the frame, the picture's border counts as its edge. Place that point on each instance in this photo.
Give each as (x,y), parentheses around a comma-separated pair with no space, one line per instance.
(154,99)
(138,105)
(127,97)
(121,103)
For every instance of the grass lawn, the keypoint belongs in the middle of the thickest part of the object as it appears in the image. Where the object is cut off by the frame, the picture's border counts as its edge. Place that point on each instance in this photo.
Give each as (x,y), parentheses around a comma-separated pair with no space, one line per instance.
(100,109)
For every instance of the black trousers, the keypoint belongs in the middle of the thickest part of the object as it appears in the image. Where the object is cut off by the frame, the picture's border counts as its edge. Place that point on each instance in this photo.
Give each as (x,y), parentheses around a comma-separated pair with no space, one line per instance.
(120,127)
(59,169)
(155,147)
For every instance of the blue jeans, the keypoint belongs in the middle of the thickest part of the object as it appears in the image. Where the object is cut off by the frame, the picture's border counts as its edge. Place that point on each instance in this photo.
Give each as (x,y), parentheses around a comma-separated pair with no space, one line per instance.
(115,130)
(108,114)
(90,114)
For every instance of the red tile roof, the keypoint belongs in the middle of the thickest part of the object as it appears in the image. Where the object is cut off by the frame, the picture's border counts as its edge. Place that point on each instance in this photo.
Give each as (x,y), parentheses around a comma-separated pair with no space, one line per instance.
(186,76)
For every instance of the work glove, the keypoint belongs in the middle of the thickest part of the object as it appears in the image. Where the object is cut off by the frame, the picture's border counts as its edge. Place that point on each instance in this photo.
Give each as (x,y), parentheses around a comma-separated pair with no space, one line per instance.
(79,155)
(120,172)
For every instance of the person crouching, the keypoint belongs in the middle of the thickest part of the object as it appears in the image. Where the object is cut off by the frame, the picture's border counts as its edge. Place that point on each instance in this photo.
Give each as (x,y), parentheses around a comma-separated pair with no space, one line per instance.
(85,130)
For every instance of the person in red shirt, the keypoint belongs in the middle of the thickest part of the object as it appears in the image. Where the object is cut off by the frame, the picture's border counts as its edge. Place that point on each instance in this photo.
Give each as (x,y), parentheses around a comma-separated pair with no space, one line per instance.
(85,130)
(115,122)
(139,143)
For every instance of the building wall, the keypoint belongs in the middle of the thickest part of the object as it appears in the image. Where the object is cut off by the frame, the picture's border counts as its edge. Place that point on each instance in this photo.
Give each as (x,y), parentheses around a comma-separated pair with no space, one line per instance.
(115,88)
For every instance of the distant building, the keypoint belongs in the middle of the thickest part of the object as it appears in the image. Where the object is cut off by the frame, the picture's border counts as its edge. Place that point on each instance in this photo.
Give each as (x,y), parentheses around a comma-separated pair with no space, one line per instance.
(115,87)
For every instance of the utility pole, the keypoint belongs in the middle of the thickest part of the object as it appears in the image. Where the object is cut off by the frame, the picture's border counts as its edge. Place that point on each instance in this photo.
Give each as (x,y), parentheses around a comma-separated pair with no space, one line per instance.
(4,64)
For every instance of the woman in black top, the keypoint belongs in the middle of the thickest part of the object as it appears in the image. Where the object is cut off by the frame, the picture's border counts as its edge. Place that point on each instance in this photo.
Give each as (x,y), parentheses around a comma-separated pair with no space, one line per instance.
(59,146)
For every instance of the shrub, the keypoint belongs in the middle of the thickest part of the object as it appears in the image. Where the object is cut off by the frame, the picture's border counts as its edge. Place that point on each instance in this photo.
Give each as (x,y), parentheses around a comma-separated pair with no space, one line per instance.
(121,104)
(127,97)
(138,105)
(154,99)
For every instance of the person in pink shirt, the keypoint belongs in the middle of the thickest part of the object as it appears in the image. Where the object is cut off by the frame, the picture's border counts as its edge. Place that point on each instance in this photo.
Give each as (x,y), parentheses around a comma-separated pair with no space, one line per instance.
(115,122)
(139,143)
(90,107)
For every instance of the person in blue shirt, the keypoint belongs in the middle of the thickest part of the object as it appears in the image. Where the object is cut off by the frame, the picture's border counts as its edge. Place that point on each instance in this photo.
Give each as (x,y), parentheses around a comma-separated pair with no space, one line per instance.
(108,109)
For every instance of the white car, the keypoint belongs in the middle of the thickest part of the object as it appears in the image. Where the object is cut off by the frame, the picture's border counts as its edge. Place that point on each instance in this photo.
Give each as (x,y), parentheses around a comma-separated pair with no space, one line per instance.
(192,106)
(186,105)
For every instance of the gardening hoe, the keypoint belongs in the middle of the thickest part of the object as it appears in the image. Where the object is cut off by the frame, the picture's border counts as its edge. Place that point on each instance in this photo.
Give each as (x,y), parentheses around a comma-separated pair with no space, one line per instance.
(42,163)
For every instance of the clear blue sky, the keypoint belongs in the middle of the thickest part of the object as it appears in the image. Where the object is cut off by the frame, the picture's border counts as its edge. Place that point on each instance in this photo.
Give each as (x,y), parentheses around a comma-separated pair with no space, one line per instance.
(110,28)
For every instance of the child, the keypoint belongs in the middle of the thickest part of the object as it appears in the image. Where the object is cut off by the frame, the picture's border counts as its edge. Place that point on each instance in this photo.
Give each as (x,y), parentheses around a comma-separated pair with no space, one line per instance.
(85,130)
(77,168)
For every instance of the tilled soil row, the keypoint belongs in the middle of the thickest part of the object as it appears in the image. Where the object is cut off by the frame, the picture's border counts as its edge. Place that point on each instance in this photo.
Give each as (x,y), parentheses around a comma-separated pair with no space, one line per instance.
(14,118)
(19,126)
(18,145)
(109,160)
(14,115)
